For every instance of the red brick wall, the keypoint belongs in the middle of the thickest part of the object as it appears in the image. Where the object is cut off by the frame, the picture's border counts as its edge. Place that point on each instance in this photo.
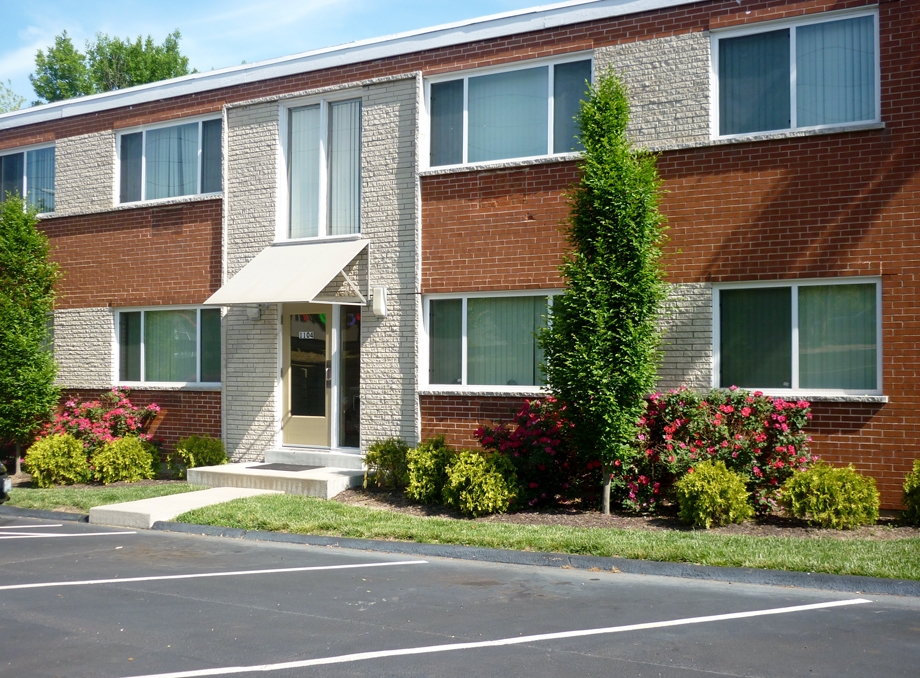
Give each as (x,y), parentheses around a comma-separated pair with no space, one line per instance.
(456,417)
(182,413)
(144,256)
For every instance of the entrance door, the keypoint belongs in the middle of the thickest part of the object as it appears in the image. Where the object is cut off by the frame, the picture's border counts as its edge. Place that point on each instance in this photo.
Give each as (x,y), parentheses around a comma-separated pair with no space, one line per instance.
(320,375)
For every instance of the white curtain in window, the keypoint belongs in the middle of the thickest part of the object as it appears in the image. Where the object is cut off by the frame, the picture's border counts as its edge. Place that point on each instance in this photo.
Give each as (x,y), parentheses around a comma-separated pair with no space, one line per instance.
(501,346)
(40,179)
(508,115)
(345,167)
(837,337)
(171,345)
(835,72)
(303,171)
(172,161)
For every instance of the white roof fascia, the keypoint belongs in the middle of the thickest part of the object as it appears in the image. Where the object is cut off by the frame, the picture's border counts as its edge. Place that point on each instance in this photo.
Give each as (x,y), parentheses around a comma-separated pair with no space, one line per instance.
(457,33)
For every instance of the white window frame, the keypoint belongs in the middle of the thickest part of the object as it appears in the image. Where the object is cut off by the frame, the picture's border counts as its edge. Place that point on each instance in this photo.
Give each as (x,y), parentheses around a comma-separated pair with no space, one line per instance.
(116,358)
(162,125)
(791,24)
(425,131)
(425,346)
(283,218)
(25,150)
(795,285)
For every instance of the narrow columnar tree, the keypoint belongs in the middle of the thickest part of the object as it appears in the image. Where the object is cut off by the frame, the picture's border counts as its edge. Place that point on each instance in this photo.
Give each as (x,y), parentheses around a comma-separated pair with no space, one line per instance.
(601,347)
(27,368)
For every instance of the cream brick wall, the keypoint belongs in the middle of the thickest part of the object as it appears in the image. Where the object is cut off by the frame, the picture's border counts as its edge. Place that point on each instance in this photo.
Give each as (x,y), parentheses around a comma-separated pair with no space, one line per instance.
(668,84)
(84,179)
(83,347)
(687,343)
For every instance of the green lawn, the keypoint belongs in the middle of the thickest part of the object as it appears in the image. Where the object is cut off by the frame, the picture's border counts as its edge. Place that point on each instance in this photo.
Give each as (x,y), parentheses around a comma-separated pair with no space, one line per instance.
(82,499)
(898,559)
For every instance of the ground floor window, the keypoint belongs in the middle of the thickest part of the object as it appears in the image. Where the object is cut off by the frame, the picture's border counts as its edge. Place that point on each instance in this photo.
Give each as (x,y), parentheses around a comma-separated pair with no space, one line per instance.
(485,340)
(814,335)
(172,345)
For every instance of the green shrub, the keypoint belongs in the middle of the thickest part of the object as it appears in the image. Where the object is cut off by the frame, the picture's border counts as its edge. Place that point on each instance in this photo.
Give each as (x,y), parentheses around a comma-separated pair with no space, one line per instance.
(386,464)
(912,496)
(479,484)
(826,496)
(427,466)
(129,459)
(57,460)
(197,451)
(713,495)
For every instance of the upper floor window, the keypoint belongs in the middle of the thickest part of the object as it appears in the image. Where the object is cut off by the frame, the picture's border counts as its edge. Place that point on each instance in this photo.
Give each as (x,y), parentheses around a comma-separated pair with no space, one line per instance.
(170,161)
(324,169)
(519,113)
(173,345)
(30,174)
(823,335)
(807,74)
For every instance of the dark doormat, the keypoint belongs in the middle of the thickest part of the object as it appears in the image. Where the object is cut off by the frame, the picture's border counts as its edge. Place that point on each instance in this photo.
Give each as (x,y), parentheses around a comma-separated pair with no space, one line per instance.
(295,468)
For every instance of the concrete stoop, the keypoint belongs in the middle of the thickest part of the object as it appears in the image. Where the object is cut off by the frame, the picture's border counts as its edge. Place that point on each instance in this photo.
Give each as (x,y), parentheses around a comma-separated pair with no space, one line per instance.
(324,482)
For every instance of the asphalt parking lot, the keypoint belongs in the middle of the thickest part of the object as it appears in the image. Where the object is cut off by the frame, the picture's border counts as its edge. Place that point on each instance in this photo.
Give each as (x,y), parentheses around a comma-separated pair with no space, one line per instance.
(79,600)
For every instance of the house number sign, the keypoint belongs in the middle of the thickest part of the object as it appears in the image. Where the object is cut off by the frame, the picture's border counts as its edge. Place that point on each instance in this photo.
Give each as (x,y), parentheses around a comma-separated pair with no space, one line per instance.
(305,335)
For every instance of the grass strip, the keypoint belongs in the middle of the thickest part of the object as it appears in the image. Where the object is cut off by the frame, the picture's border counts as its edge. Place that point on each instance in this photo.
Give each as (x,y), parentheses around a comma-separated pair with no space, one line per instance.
(82,499)
(897,559)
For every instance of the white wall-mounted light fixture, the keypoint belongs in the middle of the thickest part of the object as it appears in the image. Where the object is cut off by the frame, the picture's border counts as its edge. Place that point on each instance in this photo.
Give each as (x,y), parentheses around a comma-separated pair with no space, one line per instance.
(380,302)
(254,311)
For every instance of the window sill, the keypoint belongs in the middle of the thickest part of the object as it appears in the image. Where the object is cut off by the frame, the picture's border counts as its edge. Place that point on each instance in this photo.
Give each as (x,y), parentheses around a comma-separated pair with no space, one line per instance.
(169,386)
(499,164)
(140,204)
(818,397)
(484,391)
(795,133)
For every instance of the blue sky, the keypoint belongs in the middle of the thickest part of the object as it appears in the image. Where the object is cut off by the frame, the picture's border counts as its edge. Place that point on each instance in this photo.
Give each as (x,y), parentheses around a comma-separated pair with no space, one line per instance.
(219,33)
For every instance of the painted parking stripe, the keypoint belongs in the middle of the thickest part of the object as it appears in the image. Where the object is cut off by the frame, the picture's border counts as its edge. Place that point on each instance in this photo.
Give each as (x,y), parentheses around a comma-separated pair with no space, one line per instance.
(63,535)
(29,527)
(432,649)
(202,575)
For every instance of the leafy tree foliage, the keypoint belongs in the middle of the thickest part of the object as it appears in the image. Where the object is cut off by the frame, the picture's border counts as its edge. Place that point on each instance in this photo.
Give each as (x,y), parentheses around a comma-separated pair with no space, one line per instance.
(27,279)
(9,100)
(601,349)
(63,72)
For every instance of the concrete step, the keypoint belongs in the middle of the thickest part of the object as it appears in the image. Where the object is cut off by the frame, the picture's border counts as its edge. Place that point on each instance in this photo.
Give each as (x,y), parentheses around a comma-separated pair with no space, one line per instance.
(324,482)
(333,459)
(144,513)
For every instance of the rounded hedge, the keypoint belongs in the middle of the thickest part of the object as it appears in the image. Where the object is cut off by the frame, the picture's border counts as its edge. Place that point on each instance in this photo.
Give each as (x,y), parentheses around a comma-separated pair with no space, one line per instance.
(128,459)
(57,460)
(197,451)
(712,495)
(827,496)
(427,470)
(911,516)
(479,484)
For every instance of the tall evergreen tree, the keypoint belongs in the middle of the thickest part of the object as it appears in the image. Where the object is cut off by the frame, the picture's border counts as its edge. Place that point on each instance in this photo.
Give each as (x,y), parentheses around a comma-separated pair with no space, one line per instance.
(27,367)
(601,348)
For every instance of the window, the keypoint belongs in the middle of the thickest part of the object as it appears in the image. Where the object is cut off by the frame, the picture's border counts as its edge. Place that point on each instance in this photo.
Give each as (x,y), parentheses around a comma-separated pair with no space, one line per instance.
(807,74)
(324,169)
(168,162)
(485,340)
(808,336)
(518,113)
(30,174)
(176,345)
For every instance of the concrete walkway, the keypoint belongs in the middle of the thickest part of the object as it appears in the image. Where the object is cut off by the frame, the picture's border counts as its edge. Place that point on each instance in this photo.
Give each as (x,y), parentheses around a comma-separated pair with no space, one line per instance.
(145,512)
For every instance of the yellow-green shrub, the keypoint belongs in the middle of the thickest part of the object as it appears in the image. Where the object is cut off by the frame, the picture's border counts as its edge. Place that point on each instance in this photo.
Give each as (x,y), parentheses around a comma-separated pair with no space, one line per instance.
(128,459)
(480,484)
(197,451)
(427,469)
(912,496)
(713,495)
(386,463)
(827,496)
(57,460)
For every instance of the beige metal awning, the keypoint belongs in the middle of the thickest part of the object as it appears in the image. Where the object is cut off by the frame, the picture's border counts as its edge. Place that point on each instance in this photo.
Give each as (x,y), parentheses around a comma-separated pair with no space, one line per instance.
(293,273)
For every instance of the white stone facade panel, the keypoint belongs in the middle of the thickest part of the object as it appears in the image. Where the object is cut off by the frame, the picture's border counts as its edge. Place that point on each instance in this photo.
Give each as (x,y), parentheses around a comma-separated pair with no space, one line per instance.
(667,81)
(84,342)
(686,322)
(84,178)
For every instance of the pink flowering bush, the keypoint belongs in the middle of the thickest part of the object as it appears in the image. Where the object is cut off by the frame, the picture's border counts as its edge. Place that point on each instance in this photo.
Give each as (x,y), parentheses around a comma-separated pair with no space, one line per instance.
(96,423)
(757,436)
(537,441)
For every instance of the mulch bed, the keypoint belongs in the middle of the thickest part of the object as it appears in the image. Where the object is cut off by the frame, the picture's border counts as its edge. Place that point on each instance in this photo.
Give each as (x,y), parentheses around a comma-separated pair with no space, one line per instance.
(576,516)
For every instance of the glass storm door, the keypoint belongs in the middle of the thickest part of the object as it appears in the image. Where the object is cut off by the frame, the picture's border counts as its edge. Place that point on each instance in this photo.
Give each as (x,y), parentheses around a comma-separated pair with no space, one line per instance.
(320,375)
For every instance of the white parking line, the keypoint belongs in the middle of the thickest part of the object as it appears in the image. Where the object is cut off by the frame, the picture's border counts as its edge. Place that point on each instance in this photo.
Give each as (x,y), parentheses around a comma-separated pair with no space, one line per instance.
(201,575)
(29,527)
(59,535)
(431,649)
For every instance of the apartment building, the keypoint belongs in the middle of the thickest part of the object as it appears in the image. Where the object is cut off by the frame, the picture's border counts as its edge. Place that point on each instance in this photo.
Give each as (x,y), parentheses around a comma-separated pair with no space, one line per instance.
(320,251)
